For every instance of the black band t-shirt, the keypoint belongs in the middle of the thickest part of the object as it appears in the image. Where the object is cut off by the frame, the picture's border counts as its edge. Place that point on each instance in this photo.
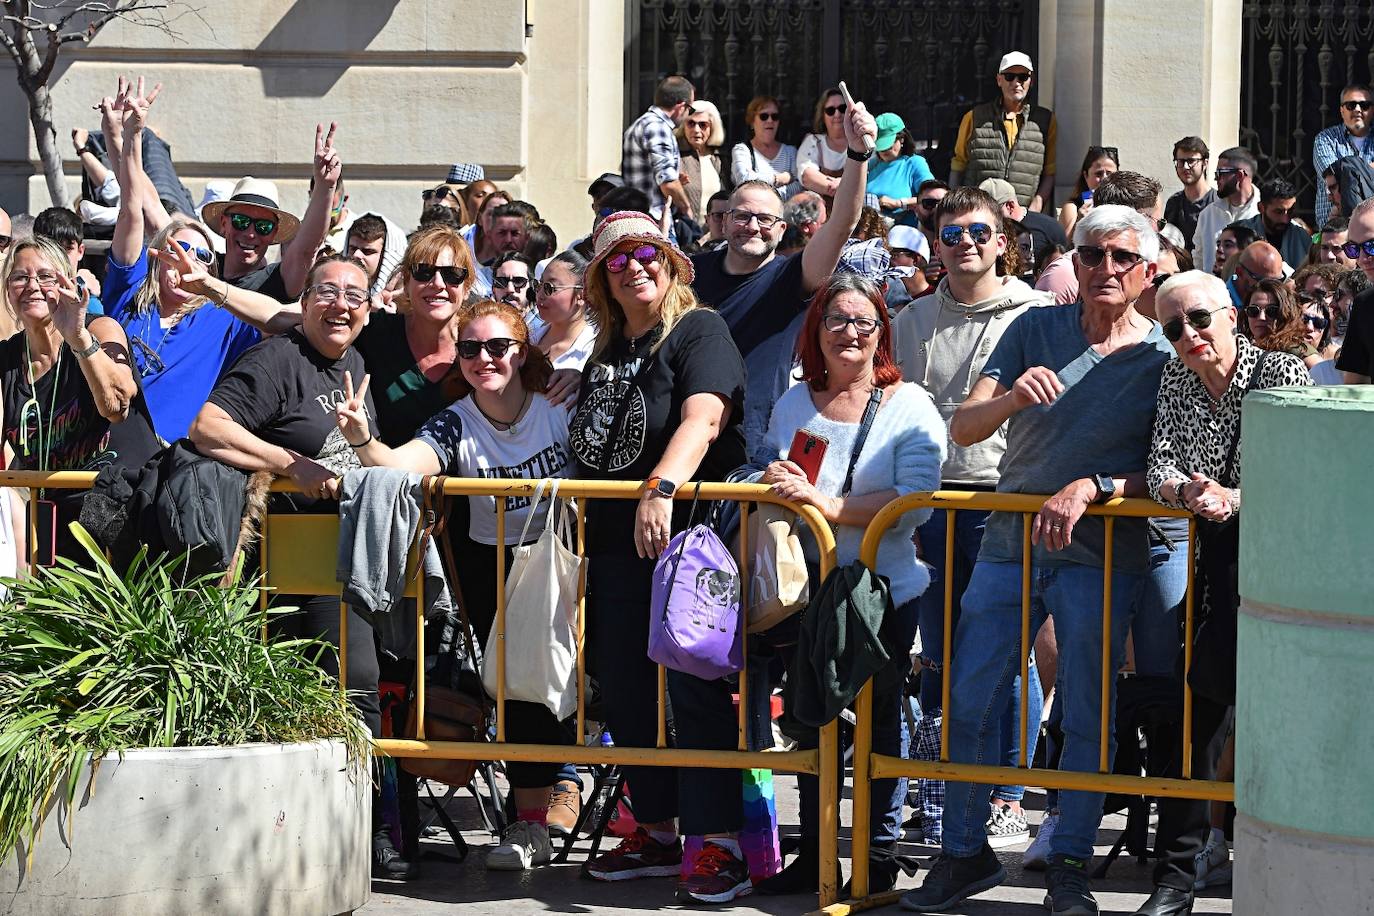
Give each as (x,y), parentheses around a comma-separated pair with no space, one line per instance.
(1357,352)
(285,392)
(266,279)
(697,356)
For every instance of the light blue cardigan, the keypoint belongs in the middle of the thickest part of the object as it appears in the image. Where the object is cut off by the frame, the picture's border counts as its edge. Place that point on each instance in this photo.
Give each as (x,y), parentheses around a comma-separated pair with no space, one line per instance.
(904,452)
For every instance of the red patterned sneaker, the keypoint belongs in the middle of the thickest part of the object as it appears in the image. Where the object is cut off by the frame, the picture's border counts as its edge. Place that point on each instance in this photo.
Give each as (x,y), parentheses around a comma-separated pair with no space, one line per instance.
(719,876)
(638,856)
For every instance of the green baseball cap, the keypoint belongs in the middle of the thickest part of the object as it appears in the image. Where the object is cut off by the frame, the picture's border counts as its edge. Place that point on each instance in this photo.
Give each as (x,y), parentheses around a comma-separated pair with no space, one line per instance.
(889,125)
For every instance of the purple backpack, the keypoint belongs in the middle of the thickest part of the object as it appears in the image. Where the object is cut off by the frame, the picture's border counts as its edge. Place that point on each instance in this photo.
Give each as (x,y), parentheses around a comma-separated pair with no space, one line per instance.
(696,624)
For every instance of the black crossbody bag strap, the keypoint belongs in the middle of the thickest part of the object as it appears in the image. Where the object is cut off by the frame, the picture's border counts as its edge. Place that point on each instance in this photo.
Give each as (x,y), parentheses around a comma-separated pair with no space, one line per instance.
(1229,469)
(870,411)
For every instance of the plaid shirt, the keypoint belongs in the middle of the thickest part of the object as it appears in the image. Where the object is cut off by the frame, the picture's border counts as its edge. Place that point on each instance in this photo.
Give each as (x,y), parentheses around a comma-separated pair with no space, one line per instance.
(649,155)
(1331,144)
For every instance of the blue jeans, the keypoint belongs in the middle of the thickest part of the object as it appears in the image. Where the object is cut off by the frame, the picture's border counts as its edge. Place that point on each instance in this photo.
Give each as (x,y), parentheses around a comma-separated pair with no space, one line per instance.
(1154,632)
(987,656)
(968,539)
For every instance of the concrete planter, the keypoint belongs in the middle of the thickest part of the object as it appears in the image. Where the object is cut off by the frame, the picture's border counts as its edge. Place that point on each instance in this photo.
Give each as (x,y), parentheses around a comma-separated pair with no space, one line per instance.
(262,828)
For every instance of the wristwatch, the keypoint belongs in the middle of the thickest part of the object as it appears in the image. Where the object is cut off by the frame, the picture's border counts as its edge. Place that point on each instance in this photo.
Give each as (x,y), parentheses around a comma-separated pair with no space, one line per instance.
(660,487)
(1106,487)
(89,351)
(856,155)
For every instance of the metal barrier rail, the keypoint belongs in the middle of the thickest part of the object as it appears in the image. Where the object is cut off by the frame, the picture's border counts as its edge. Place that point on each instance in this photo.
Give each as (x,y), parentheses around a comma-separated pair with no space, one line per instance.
(869,766)
(293,563)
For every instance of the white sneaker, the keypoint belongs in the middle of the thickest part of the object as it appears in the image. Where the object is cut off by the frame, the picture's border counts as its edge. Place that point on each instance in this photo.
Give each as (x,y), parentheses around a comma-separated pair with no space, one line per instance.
(1037,854)
(523,846)
(1212,866)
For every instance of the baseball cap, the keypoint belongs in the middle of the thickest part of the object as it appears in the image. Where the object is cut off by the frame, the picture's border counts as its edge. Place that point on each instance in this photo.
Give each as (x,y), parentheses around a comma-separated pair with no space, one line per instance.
(910,239)
(1015,59)
(999,189)
(604,182)
(465,173)
(889,125)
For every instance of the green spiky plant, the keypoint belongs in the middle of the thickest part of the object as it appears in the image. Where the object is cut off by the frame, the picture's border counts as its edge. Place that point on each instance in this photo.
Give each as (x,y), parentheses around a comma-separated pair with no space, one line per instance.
(93,662)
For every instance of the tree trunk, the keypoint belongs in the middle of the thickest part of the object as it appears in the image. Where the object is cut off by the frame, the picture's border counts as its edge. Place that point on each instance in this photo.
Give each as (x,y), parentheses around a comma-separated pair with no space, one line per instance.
(45,135)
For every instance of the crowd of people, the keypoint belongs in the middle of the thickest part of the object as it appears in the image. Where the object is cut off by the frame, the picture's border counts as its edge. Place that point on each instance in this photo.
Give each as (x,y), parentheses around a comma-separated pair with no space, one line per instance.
(964,334)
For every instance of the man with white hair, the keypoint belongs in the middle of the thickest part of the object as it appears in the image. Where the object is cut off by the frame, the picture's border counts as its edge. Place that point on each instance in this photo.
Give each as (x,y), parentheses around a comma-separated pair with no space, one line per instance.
(1076,387)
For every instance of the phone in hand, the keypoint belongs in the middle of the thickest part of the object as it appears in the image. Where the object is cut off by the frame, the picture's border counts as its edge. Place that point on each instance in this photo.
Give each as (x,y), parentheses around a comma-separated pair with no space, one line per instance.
(807,452)
(1085,197)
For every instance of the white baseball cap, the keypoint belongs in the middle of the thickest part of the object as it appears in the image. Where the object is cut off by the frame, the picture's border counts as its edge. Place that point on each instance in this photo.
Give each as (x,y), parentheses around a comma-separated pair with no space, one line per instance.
(911,239)
(1015,59)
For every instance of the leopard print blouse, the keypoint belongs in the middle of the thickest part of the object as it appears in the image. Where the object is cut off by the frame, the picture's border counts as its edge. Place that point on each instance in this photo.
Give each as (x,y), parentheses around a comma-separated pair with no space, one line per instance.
(1193,433)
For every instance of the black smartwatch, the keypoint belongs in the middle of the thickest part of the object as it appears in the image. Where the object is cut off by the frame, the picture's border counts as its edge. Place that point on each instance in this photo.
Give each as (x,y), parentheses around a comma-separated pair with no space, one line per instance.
(1106,487)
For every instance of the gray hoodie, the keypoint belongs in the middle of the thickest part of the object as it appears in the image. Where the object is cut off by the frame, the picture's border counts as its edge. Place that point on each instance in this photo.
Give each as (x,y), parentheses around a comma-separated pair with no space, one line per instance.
(942,346)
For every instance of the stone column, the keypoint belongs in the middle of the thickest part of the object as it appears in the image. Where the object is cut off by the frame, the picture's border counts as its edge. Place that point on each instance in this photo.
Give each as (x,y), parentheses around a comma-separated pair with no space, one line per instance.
(1304,734)
(1139,76)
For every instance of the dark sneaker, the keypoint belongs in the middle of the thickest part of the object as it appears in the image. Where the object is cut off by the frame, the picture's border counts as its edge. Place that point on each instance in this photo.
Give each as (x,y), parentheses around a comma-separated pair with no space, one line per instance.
(718,876)
(638,856)
(1067,889)
(952,879)
(388,863)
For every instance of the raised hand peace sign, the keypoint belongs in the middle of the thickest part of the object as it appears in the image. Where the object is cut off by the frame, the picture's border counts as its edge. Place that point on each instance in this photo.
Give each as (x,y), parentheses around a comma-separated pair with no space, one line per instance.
(182,269)
(135,104)
(352,413)
(328,167)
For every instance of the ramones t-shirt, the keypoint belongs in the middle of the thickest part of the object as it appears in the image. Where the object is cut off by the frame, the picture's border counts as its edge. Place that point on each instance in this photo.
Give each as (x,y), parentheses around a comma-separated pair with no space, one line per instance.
(467,445)
(285,392)
(698,356)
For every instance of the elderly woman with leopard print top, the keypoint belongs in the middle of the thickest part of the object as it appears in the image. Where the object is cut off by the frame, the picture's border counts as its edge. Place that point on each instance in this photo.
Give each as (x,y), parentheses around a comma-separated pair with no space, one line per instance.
(1195,464)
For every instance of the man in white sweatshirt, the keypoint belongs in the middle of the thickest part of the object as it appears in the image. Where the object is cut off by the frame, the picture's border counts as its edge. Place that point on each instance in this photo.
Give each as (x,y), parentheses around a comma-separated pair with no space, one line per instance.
(941,342)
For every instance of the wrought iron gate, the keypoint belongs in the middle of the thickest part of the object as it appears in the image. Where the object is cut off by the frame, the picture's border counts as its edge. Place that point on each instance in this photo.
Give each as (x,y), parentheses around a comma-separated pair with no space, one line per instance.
(927,60)
(1296,58)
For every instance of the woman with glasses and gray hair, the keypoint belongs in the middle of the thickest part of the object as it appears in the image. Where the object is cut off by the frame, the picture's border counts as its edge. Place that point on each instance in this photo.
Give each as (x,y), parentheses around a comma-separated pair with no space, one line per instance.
(1194,463)
(883,438)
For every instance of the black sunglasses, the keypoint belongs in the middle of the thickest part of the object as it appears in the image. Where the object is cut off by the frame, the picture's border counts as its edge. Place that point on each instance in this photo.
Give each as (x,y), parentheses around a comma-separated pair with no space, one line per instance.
(1016,77)
(836,109)
(1357,105)
(769,116)
(452,276)
(1159,279)
(1354,249)
(1271,312)
(515,283)
(496,347)
(1226,172)
(1318,322)
(1198,318)
(930,203)
(440,193)
(261,225)
(979,233)
(1091,256)
(5,242)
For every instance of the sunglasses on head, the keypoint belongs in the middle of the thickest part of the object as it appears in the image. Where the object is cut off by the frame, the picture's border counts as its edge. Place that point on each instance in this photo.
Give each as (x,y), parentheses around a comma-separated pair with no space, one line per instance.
(262,225)
(203,255)
(1091,256)
(452,276)
(979,233)
(515,283)
(496,347)
(438,194)
(769,116)
(1354,249)
(1269,312)
(1316,322)
(836,109)
(1357,105)
(1016,77)
(644,254)
(1198,318)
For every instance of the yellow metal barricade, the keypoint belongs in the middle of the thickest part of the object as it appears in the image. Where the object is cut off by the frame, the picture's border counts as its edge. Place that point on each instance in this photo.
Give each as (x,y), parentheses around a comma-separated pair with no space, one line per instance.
(298,556)
(869,766)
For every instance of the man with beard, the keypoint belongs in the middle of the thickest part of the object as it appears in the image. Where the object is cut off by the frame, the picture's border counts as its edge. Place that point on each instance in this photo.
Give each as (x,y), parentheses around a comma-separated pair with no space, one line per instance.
(1331,248)
(763,297)
(1352,137)
(1237,200)
(1190,165)
(1274,222)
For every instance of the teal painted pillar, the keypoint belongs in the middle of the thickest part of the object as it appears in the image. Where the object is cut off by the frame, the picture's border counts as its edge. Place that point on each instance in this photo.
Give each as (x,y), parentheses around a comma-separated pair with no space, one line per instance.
(1305,688)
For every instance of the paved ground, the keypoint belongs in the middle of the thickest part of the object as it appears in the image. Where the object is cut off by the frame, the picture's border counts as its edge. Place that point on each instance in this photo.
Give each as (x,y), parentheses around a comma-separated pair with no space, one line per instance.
(558,889)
